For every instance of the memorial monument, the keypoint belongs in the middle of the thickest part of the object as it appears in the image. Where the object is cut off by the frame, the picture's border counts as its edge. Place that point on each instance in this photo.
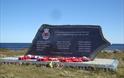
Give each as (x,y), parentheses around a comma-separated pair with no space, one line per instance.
(68,41)
(67,46)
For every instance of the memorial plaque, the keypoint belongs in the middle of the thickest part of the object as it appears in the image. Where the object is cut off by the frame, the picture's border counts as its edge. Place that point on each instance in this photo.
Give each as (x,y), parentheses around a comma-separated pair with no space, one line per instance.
(68,40)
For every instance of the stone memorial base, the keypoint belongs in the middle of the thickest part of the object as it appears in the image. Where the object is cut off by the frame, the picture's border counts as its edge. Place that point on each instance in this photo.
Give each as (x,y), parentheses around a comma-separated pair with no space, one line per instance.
(97,63)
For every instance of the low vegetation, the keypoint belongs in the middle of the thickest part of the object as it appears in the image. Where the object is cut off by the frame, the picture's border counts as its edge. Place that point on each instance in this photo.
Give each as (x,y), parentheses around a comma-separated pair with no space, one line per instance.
(32,71)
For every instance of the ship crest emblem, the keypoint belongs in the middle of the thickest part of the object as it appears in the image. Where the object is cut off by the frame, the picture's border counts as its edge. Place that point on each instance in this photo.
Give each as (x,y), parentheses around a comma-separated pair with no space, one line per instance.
(46,34)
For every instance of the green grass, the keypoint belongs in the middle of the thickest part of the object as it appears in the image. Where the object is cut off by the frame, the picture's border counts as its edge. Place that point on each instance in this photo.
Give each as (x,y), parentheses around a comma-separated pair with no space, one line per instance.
(32,71)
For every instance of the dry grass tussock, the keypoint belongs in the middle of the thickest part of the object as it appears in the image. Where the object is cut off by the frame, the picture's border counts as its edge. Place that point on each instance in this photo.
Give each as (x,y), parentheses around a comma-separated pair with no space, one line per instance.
(32,71)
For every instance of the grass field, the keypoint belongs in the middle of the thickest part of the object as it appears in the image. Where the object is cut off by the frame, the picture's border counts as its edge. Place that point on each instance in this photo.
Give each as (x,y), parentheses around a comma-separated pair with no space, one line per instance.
(32,71)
